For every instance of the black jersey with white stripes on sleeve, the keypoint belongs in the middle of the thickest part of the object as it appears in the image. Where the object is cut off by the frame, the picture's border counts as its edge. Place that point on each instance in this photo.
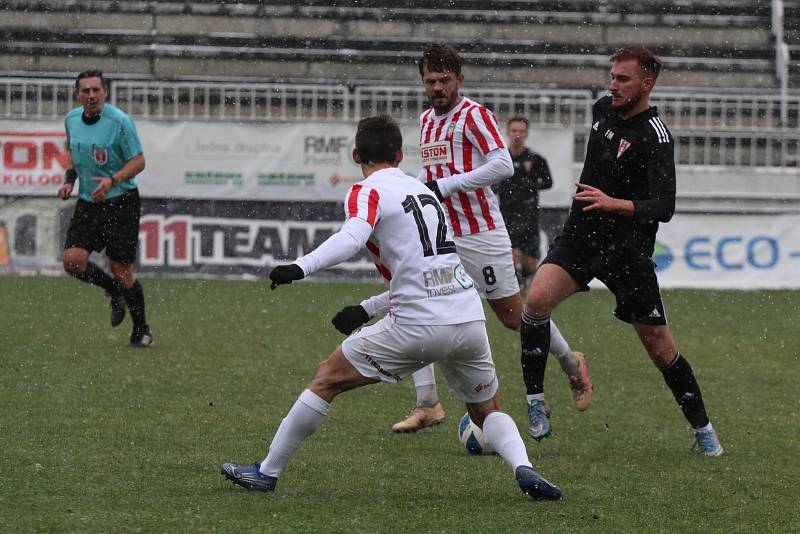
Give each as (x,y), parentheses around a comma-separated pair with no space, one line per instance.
(632,159)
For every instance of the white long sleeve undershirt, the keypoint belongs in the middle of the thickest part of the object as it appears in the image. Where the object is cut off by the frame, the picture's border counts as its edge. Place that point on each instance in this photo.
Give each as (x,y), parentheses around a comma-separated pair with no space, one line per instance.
(497,168)
(339,247)
(376,304)
(342,246)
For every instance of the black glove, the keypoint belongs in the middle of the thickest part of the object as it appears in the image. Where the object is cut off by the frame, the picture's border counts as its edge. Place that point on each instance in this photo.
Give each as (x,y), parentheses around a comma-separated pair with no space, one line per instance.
(349,318)
(285,274)
(433,186)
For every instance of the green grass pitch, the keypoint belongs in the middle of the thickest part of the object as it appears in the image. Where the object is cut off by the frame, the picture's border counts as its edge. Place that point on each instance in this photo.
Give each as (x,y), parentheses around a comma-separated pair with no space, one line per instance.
(97,437)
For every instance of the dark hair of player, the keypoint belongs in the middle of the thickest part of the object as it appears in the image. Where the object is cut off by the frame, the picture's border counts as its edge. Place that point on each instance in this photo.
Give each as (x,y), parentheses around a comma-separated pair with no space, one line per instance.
(378,139)
(90,73)
(440,57)
(518,118)
(648,61)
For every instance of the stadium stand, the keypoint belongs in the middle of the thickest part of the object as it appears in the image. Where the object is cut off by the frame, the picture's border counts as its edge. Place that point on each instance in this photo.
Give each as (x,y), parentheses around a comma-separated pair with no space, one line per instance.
(337,60)
(540,43)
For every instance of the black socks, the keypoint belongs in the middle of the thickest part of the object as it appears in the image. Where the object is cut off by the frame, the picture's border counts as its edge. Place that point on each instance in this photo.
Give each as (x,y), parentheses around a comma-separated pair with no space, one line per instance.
(134,298)
(134,295)
(535,339)
(97,276)
(679,377)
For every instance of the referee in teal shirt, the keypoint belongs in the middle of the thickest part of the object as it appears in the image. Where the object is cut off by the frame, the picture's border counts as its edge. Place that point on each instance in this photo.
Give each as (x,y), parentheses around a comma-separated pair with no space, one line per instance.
(106,155)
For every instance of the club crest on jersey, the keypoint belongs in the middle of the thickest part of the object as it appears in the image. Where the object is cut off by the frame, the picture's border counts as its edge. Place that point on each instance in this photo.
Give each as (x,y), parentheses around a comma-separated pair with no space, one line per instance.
(436,153)
(450,130)
(528,164)
(462,277)
(623,146)
(100,155)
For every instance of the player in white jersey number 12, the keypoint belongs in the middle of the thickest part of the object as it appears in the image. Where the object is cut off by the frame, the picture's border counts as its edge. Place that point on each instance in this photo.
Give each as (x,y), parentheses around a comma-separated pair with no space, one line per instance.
(434,314)
(463,154)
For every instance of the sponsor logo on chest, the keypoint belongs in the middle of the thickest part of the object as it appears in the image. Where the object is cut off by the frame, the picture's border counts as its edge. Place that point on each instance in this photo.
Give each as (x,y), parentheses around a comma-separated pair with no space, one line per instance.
(436,153)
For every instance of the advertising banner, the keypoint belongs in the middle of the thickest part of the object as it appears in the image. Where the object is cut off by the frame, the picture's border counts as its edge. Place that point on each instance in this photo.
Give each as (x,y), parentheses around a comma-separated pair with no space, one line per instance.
(234,238)
(736,251)
(33,157)
(184,237)
(270,161)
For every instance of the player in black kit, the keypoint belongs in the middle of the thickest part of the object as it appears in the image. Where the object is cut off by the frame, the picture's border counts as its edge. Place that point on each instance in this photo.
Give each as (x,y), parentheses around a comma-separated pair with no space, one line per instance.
(627,187)
(519,199)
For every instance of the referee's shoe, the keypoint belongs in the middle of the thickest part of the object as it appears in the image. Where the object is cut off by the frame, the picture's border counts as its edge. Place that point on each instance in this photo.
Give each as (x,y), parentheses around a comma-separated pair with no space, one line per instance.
(141,337)
(117,308)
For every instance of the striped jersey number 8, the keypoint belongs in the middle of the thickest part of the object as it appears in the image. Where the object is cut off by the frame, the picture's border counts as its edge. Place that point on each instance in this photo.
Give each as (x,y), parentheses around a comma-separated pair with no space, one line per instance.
(443,246)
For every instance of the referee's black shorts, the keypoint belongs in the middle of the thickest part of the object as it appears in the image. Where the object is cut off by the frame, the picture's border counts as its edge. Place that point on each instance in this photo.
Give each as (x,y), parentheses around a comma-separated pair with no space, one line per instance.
(630,276)
(112,225)
(525,236)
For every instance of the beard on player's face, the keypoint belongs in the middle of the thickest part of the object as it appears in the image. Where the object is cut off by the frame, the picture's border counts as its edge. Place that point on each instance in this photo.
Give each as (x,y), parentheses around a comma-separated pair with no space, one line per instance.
(443,102)
(624,103)
(441,87)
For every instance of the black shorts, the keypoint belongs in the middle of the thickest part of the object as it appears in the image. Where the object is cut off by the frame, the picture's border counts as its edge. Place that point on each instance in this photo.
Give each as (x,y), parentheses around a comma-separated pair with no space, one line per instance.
(112,225)
(526,238)
(630,276)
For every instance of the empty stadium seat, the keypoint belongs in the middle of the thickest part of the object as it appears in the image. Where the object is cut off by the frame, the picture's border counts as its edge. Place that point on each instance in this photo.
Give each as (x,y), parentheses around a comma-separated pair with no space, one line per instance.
(538,43)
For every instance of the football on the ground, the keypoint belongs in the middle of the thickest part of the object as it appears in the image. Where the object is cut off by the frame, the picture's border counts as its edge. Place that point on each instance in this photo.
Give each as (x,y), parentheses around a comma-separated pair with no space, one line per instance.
(471,437)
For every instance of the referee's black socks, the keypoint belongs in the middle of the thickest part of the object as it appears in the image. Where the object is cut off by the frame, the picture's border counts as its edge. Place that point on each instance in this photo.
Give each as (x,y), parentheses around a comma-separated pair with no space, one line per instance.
(535,339)
(134,298)
(97,276)
(680,378)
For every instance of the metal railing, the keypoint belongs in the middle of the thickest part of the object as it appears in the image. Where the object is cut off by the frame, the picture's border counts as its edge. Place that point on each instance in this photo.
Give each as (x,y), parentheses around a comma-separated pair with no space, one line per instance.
(726,111)
(325,103)
(737,148)
(542,107)
(233,102)
(23,98)
(728,129)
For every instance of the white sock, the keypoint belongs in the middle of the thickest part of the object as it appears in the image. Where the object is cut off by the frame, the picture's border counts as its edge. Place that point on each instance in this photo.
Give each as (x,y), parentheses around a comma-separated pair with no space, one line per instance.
(537,396)
(425,384)
(561,350)
(703,428)
(503,437)
(305,417)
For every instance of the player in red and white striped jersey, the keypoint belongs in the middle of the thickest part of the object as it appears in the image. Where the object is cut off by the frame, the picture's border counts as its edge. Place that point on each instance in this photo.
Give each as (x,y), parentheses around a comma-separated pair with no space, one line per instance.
(435,314)
(453,145)
(463,155)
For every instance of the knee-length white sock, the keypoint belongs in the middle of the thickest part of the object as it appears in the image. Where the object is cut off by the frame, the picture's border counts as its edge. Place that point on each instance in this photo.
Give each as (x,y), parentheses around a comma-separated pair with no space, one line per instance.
(425,384)
(503,437)
(561,350)
(305,417)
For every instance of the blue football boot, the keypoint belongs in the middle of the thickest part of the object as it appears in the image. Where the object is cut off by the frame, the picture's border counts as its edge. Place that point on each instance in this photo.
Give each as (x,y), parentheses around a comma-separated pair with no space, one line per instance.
(707,442)
(248,477)
(539,415)
(534,486)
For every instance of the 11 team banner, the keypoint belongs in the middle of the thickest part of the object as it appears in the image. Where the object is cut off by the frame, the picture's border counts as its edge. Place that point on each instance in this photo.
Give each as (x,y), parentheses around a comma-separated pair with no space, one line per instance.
(267,161)
(227,238)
